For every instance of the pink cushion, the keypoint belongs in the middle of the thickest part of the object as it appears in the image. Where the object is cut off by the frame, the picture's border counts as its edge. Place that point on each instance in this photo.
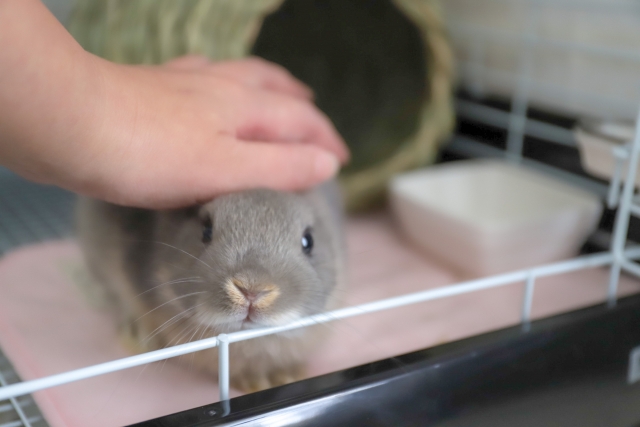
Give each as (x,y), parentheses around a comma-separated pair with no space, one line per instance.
(47,327)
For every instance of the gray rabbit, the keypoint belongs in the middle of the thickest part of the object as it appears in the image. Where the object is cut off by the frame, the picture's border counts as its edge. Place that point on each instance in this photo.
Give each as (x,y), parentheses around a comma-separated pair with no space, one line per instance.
(244,260)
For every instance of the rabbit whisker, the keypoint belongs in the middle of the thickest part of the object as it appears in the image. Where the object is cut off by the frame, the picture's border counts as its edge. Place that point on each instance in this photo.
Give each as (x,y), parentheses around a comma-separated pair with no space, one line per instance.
(196,279)
(170,301)
(168,323)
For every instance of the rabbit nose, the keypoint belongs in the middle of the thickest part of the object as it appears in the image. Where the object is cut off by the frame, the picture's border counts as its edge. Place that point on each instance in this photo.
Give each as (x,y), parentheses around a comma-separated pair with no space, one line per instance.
(258,296)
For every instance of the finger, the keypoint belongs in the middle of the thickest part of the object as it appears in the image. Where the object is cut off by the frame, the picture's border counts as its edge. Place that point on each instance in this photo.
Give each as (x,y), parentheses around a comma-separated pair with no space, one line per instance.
(271,117)
(259,73)
(251,72)
(278,166)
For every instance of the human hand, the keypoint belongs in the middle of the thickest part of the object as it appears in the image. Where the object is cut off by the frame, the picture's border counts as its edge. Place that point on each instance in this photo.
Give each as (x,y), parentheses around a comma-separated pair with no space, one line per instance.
(202,129)
(252,72)
(153,136)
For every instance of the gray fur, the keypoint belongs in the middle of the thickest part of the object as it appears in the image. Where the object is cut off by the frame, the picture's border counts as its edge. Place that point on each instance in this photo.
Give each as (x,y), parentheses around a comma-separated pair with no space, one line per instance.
(139,258)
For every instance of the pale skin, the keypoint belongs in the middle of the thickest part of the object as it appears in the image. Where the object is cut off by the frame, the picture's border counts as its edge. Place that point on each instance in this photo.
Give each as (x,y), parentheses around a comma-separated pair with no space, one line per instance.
(152,136)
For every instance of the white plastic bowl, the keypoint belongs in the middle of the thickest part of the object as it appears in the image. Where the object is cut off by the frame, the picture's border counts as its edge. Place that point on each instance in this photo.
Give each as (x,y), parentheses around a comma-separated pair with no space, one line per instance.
(488,217)
(596,140)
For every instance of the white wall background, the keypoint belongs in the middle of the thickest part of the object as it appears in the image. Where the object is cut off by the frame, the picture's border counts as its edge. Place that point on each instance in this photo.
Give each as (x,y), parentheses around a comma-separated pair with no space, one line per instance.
(586,59)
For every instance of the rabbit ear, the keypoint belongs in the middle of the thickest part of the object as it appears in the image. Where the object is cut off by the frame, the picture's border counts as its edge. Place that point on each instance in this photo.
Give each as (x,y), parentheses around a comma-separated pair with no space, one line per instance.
(192,210)
(204,214)
(207,230)
(184,213)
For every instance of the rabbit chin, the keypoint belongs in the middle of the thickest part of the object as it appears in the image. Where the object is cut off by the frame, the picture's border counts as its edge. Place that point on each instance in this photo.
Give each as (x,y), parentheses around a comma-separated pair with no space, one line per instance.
(239,322)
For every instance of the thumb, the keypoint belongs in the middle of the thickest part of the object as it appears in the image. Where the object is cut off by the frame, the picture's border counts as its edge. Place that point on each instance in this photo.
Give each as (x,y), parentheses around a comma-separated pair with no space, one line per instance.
(281,166)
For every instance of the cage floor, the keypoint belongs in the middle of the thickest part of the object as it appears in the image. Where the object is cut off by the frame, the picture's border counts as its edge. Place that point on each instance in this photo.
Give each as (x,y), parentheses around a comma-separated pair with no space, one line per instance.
(567,370)
(9,416)
(47,327)
(32,213)
(29,213)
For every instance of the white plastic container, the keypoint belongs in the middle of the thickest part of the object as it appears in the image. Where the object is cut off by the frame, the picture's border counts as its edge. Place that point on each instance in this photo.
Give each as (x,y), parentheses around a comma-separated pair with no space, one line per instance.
(596,140)
(487,217)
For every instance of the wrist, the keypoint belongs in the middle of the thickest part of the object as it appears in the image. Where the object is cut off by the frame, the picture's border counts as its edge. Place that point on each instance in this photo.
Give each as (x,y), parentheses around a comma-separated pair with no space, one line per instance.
(47,86)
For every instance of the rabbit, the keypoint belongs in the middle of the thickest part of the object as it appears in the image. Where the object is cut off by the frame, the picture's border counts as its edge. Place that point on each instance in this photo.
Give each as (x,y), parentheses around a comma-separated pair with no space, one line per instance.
(251,259)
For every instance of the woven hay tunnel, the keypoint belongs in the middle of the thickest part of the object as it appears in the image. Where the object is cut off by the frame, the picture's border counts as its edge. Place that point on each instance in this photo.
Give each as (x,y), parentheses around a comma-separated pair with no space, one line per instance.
(380,69)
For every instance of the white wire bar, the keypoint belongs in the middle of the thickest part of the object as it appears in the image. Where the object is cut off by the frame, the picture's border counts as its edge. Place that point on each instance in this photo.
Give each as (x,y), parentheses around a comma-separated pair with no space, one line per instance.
(9,407)
(613,197)
(499,118)
(27,387)
(478,38)
(621,226)
(19,423)
(518,125)
(527,303)
(223,366)
(24,421)
(520,98)
(550,90)
(470,147)
(509,37)
(631,268)
(626,6)
(580,263)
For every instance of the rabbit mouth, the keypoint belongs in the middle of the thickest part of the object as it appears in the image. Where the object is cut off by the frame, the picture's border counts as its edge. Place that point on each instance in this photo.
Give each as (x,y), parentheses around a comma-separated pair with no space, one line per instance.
(248,320)
(250,324)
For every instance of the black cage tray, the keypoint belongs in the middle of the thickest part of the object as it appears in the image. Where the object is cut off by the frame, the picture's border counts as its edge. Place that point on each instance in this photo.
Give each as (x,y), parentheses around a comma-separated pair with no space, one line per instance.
(568,370)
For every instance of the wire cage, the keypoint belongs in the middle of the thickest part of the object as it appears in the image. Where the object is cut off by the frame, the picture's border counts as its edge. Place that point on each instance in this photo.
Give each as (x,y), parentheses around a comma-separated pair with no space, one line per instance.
(524,85)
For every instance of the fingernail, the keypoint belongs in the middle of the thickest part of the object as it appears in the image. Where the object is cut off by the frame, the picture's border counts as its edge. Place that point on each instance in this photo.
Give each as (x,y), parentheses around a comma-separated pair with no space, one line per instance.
(326,165)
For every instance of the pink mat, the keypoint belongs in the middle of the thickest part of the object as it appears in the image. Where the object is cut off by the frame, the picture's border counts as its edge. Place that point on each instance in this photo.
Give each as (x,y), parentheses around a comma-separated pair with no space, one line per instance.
(46,327)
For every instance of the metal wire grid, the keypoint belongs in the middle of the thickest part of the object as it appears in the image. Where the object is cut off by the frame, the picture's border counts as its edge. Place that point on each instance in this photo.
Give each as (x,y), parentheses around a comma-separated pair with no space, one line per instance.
(29,213)
(32,213)
(19,411)
(619,259)
(474,74)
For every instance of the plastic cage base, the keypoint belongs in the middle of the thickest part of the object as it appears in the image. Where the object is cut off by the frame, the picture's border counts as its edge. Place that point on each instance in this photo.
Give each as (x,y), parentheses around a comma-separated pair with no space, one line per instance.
(569,370)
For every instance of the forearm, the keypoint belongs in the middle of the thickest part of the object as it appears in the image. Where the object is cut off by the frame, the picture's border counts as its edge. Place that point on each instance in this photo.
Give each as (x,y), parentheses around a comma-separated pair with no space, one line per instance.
(49,93)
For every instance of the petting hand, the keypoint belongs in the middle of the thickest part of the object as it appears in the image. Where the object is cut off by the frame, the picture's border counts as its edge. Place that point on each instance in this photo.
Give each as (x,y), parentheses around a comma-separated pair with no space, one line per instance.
(193,129)
(152,136)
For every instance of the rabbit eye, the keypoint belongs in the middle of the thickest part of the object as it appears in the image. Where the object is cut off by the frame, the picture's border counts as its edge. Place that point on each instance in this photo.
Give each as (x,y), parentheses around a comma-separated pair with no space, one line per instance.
(307,242)
(207,231)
